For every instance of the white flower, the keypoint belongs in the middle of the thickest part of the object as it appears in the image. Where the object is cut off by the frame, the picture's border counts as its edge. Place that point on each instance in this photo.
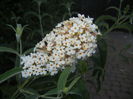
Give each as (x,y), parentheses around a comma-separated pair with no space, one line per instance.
(93,27)
(85,46)
(81,54)
(54,72)
(81,16)
(66,43)
(50,66)
(83,37)
(70,40)
(61,62)
(25,74)
(77,45)
(70,51)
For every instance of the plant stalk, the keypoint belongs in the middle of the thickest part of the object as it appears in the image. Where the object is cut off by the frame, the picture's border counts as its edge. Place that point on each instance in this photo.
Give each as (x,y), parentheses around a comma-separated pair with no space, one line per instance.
(40,19)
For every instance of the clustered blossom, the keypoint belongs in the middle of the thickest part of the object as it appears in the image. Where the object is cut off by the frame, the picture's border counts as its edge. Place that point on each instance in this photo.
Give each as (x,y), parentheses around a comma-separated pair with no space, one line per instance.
(69,41)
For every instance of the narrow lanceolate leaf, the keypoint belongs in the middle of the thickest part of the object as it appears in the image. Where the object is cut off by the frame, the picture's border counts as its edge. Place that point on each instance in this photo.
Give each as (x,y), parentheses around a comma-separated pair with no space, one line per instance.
(73,83)
(113,8)
(9,50)
(10,74)
(127,27)
(31,97)
(80,89)
(31,14)
(105,17)
(51,92)
(104,24)
(29,91)
(28,51)
(63,79)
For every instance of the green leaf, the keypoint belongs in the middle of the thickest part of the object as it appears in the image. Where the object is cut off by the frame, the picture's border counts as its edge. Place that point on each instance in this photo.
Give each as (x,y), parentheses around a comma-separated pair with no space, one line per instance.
(82,66)
(113,8)
(31,97)
(102,46)
(105,17)
(67,5)
(73,83)
(12,27)
(10,74)
(126,9)
(75,92)
(7,89)
(29,91)
(99,63)
(52,92)
(31,14)
(28,51)
(46,15)
(104,25)
(65,15)
(127,27)
(45,97)
(9,50)
(63,79)
(48,95)
(80,89)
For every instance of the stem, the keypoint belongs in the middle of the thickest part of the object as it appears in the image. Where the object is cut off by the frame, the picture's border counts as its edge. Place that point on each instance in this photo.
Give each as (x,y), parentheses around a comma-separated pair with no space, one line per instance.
(20,45)
(69,11)
(119,13)
(109,30)
(31,81)
(16,62)
(17,91)
(40,19)
(124,20)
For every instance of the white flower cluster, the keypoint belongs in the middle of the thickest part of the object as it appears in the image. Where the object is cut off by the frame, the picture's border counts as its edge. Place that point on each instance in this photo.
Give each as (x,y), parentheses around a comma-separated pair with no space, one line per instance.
(70,40)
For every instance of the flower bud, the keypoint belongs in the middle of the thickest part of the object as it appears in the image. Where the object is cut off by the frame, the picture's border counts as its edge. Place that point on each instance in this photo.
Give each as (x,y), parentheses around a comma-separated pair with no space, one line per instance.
(19,31)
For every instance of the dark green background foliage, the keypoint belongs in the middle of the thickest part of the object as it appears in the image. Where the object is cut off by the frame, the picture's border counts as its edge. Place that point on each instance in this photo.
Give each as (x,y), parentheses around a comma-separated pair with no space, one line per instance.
(26,12)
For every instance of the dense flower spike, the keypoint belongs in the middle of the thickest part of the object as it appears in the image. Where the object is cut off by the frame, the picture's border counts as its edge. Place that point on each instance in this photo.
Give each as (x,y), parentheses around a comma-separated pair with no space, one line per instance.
(70,40)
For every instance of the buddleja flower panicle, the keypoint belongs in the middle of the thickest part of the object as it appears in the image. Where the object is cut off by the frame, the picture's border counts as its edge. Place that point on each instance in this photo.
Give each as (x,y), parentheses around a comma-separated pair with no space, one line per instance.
(70,40)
